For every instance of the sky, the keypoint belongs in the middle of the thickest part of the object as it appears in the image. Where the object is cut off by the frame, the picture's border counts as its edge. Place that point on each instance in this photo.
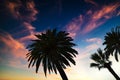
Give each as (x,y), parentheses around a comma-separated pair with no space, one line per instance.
(87,21)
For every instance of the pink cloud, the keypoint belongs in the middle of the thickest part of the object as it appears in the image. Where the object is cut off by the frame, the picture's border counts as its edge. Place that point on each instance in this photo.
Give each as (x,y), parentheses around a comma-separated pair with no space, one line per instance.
(95,40)
(118,13)
(105,13)
(92,19)
(15,51)
(86,51)
(26,38)
(31,30)
(28,31)
(92,47)
(73,26)
(92,2)
(25,13)
(29,27)
(13,46)
(17,7)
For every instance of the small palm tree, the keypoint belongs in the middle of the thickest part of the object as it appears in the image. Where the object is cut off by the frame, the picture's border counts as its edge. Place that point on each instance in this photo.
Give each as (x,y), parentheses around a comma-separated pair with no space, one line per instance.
(112,42)
(54,50)
(102,62)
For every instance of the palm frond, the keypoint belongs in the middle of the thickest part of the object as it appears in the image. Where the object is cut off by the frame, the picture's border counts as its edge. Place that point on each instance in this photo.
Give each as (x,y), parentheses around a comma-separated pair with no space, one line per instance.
(112,42)
(45,65)
(38,63)
(95,57)
(100,59)
(54,68)
(116,55)
(101,54)
(94,65)
(51,48)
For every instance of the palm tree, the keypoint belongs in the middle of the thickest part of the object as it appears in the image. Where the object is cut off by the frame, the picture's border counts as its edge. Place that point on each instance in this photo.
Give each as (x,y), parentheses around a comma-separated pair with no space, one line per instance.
(112,42)
(102,62)
(54,50)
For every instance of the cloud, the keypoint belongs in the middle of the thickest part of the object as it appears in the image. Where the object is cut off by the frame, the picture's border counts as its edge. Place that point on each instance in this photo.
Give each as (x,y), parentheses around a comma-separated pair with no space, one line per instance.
(101,16)
(94,40)
(31,33)
(94,44)
(86,51)
(12,46)
(22,10)
(92,47)
(92,19)
(74,26)
(12,50)
(92,2)
(30,29)
(27,38)
(118,13)
(26,28)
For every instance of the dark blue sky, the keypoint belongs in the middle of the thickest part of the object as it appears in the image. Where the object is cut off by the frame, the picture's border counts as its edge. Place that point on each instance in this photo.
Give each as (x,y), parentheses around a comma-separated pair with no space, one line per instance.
(81,18)
(51,13)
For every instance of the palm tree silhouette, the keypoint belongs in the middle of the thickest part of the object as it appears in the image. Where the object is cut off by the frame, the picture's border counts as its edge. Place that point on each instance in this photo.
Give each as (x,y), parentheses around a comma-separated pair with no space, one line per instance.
(54,50)
(102,62)
(112,42)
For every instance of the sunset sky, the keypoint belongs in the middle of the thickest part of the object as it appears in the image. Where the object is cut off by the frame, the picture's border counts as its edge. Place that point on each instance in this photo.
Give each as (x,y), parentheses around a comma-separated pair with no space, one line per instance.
(87,21)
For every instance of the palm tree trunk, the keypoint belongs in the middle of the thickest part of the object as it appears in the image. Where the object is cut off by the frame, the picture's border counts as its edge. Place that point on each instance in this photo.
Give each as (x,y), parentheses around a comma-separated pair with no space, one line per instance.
(61,71)
(113,72)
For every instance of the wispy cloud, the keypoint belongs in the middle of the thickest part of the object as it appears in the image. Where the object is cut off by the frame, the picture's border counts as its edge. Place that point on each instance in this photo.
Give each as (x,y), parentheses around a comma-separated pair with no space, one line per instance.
(92,2)
(101,16)
(86,51)
(12,47)
(94,44)
(25,13)
(118,13)
(22,10)
(92,19)
(31,32)
(94,40)
(74,26)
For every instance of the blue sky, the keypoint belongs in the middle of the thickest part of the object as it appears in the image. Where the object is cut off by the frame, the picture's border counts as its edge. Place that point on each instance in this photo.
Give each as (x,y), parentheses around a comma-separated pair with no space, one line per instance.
(87,21)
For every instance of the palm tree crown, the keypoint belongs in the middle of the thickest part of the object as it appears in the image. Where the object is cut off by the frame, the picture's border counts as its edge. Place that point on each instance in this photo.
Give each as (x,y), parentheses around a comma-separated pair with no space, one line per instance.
(54,50)
(100,60)
(112,42)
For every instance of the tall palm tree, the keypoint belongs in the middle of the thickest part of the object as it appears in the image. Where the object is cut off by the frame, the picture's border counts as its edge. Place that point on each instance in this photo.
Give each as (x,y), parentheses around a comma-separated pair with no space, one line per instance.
(54,50)
(102,62)
(112,42)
